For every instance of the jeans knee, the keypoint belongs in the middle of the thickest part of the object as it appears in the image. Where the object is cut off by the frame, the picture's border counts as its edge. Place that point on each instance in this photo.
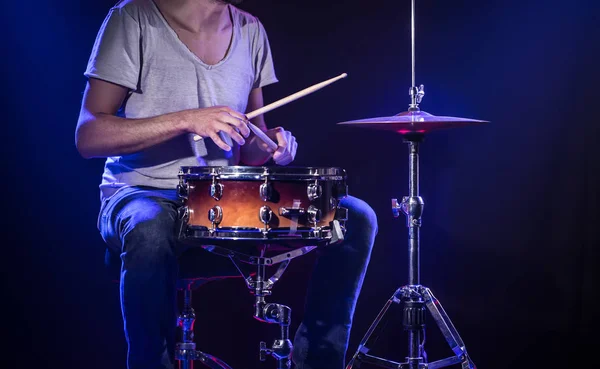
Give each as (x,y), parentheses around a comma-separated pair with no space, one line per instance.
(149,242)
(360,215)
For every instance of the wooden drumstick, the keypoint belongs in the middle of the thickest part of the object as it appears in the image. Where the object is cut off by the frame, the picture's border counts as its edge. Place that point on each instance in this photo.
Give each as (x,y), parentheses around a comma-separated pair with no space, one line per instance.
(279,103)
(263,136)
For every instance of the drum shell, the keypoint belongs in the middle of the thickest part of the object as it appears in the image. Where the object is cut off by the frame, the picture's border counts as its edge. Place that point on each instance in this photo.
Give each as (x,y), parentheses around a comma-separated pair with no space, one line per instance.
(241,203)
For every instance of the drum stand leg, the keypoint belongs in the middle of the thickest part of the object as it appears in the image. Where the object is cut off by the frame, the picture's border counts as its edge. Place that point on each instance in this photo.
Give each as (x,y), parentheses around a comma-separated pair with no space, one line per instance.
(414,296)
(260,286)
(185,351)
(281,349)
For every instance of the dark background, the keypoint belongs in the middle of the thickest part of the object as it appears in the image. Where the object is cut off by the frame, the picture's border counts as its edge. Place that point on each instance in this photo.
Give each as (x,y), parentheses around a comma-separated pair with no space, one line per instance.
(509,237)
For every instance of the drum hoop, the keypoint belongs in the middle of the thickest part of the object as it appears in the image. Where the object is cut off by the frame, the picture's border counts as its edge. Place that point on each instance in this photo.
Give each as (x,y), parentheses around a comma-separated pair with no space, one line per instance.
(260,173)
(321,234)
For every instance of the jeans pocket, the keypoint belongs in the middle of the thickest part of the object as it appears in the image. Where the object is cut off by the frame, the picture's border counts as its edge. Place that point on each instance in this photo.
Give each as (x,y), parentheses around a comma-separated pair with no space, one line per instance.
(102,221)
(101,215)
(107,216)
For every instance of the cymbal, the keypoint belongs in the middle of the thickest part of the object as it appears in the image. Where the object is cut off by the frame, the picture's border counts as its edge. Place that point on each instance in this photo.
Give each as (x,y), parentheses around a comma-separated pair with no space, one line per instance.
(413,122)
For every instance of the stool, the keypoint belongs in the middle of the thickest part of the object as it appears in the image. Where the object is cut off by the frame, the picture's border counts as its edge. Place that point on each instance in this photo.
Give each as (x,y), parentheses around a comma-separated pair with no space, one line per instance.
(188,281)
(185,351)
(258,284)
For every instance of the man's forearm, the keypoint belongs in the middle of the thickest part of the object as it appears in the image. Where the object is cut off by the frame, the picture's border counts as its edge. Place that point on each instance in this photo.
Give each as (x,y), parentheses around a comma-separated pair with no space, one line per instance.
(103,135)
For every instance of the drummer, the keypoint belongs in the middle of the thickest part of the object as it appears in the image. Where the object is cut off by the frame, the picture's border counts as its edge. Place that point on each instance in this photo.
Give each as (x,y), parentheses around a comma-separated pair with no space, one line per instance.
(159,73)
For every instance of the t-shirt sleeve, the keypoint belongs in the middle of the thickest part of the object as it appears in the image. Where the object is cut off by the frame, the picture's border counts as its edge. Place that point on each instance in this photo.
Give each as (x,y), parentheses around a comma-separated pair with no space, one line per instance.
(263,59)
(115,55)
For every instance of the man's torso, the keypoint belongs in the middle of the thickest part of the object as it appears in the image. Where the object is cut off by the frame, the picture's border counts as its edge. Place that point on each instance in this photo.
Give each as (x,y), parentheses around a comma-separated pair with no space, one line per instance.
(172,78)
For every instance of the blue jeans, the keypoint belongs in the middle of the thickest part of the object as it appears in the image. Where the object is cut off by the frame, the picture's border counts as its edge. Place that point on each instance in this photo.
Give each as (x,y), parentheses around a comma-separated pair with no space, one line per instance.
(139,224)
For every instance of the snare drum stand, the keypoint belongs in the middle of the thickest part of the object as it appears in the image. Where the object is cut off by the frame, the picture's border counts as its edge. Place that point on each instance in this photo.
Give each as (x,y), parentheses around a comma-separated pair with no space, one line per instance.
(414,296)
(260,286)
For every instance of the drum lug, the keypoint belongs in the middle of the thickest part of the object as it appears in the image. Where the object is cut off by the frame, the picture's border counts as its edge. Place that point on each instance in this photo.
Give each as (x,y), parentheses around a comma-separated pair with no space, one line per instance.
(216,189)
(215,215)
(314,214)
(266,190)
(183,213)
(314,191)
(265,214)
(182,189)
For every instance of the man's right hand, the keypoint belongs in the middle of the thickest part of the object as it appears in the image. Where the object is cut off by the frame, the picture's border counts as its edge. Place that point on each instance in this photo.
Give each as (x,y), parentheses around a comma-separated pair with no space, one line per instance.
(208,122)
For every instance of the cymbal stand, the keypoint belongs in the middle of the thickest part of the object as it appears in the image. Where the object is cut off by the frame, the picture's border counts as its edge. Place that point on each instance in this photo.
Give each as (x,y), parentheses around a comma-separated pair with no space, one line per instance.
(414,297)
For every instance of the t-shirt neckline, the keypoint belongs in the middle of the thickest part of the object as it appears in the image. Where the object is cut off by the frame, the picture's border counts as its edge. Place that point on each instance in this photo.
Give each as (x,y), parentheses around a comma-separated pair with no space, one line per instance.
(230,48)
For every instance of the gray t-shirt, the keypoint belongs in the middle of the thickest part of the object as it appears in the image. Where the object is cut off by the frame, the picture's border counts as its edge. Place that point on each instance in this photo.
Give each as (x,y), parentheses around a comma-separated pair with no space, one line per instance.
(136,48)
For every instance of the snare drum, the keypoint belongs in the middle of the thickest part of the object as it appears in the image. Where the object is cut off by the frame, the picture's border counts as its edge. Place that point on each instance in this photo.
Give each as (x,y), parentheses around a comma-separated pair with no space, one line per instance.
(292,206)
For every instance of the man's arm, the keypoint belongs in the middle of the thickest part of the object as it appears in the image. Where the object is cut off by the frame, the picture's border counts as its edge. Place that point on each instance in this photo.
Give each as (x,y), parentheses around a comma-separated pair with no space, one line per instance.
(100,133)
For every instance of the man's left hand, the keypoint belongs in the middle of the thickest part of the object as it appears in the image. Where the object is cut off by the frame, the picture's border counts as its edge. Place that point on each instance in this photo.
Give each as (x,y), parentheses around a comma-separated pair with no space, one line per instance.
(287,145)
